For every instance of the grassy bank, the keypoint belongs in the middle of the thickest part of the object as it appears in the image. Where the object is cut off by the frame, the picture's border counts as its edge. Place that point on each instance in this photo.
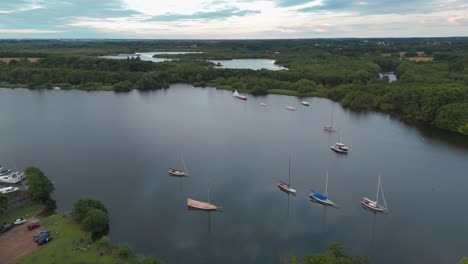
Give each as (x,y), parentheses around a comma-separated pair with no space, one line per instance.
(27,211)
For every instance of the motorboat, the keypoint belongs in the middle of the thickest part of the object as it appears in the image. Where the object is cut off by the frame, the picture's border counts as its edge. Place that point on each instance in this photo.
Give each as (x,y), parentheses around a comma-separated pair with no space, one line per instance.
(19,221)
(340,147)
(8,190)
(291,108)
(14,177)
(305,103)
(263,104)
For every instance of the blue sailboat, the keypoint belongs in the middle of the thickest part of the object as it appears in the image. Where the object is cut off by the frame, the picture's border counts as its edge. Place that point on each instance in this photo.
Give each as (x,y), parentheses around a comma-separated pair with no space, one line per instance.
(322,198)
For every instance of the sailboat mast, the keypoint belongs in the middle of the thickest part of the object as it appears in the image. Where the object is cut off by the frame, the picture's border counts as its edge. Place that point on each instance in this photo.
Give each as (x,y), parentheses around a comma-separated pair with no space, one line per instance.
(378,190)
(326,185)
(209,190)
(289,177)
(333,108)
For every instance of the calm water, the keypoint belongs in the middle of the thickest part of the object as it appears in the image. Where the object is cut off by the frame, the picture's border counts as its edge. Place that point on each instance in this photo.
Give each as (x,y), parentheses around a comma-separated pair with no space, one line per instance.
(117,147)
(254,64)
(391,76)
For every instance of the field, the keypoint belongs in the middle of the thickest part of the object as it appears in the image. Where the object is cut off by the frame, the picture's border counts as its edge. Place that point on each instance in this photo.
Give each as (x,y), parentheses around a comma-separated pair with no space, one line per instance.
(65,246)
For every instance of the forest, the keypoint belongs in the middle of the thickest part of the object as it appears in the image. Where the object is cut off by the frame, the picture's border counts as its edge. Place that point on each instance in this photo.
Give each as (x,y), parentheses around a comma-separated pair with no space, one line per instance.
(431,86)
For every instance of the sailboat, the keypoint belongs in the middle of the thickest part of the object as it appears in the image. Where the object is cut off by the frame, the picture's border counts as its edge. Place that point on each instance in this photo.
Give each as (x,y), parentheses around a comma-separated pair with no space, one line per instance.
(322,198)
(330,128)
(340,147)
(287,186)
(374,205)
(236,94)
(179,173)
(205,206)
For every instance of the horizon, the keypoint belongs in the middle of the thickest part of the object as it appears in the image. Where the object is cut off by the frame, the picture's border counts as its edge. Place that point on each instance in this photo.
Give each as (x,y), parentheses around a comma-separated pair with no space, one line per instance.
(232,19)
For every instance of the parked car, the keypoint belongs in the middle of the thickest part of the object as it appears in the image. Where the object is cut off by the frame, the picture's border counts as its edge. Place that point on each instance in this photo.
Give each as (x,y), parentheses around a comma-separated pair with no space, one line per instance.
(44,239)
(40,234)
(33,226)
(19,221)
(6,228)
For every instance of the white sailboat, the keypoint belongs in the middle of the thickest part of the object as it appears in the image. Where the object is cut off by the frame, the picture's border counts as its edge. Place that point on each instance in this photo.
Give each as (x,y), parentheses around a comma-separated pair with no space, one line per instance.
(237,95)
(330,128)
(179,173)
(374,205)
(287,186)
(340,147)
(322,198)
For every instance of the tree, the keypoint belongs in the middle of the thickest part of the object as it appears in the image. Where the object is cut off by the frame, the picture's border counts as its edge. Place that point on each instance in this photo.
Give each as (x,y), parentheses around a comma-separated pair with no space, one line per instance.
(103,242)
(84,205)
(95,221)
(39,186)
(464,260)
(3,203)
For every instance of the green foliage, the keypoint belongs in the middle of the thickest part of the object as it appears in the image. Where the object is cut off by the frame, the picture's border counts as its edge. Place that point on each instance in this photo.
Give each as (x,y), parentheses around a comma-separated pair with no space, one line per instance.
(464,260)
(95,221)
(85,205)
(149,260)
(3,203)
(453,117)
(103,242)
(39,186)
(125,252)
(334,255)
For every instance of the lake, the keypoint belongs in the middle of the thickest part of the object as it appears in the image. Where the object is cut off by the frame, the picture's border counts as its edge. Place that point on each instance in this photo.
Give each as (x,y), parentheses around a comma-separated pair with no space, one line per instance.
(254,64)
(391,76)
(117,147)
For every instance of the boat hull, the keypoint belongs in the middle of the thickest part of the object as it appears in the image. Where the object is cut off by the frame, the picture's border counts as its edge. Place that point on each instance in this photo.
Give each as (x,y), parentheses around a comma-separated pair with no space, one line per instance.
(372,206)
(286,188)
(328,129)
(338,150)
(197,205)
(305,103)
(320,201)
(177,173)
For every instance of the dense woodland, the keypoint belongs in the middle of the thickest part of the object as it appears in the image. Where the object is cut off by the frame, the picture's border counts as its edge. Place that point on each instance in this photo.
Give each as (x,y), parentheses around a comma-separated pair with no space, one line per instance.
(432,92)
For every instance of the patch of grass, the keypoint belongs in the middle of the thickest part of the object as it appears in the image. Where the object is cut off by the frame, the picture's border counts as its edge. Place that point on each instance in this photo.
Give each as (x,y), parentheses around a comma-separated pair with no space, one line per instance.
(63,248)
(27,211)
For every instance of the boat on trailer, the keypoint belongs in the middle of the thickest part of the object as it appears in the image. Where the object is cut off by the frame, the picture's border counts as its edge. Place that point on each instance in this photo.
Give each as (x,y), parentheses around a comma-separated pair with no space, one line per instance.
(179,173)
(8,190)
(287,186)
(4,171)
(320,198)
(237,95)
(374,206)
(340,147)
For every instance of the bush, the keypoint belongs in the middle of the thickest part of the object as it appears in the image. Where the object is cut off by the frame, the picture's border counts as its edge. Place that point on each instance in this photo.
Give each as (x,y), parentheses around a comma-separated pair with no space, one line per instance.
(3,203)
(84,205)
(104,242)
(125,252)
(95,221)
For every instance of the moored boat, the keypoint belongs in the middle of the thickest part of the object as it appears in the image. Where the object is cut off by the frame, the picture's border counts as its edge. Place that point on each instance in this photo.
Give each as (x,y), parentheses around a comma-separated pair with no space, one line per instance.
(179,173)
(330,128)
(305,103)
(291,108)
(322,198)
(340,147)
(263,104)
(194,204)
(8,190)
(14,177)
(5,171)
(374,206)
(287,186)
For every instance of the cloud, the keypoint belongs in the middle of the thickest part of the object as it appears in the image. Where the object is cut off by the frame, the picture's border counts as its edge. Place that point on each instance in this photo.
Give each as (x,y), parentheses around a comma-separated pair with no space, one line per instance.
(28,31)
(10,7)
(220,14)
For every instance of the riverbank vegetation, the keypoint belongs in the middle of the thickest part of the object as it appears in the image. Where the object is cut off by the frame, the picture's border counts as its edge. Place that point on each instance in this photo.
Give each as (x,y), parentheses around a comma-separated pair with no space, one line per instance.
(335,254)
(431,91)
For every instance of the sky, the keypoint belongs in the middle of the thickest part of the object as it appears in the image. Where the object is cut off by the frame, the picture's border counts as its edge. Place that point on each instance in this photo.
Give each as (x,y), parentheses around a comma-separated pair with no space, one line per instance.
(232,19)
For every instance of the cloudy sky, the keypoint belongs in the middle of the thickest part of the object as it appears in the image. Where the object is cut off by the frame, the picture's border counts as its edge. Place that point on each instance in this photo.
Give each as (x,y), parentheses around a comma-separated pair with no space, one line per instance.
(232,18)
